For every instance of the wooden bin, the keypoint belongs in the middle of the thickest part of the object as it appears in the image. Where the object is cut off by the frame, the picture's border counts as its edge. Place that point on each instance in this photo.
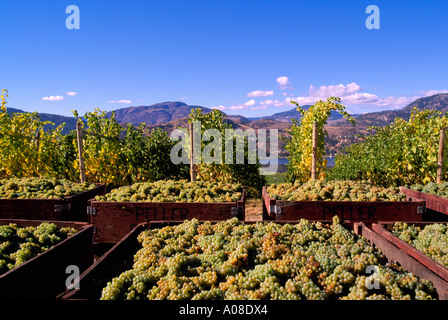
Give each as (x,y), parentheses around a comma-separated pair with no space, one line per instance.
(394,250)
(72,208)
(433,202)
(120,258)
(366,211)
(383,229)
(113,220)
(44,276)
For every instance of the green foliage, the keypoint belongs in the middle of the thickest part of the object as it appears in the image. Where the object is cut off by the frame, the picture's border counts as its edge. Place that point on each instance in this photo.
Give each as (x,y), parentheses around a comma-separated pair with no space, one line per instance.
(248,174)
(402,153)
(300,143)
(26,149)
(120,156)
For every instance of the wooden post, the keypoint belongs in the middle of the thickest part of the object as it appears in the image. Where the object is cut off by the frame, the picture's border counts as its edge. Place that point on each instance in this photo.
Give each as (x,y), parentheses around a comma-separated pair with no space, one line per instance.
(82,169)
(192,164)
(314,154)
(440,160)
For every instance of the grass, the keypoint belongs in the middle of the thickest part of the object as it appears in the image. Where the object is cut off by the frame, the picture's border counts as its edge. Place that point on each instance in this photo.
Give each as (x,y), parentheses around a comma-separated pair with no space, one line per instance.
(276,178)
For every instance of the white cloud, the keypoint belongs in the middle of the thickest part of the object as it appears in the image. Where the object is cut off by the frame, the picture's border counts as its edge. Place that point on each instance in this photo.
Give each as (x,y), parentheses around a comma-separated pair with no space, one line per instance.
(71,93)
(249,103)
(284,82)
(339,90)
(430,92)
(221,107)
(120,101)
(260,93)
(53,98)
(259,107)
(360,98)
(238,107)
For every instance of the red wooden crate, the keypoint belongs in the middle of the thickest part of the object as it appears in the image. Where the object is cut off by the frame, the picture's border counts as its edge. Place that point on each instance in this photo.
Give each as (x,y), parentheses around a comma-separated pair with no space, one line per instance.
(433,202)
(73,208)
(366,211)
(44,276)
(394,251)
(113,220)
(383,228)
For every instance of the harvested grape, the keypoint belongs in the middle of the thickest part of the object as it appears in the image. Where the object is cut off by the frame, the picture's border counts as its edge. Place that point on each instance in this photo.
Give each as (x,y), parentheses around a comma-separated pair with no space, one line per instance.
(19,244)
(437,189)
(334,190)
(175,191)
(232,260)
(431,240)
(41,188)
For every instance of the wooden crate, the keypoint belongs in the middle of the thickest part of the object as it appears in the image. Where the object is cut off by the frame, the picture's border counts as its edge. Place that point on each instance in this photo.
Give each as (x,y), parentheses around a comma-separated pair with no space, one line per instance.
(113,220)
(384,229)
(73,208)
(44,276)
(366,211)
(394,251)
(433,202)
(120,258)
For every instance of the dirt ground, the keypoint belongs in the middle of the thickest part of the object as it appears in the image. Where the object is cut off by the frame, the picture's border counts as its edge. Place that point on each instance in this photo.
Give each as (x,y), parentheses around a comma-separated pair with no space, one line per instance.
(254,210)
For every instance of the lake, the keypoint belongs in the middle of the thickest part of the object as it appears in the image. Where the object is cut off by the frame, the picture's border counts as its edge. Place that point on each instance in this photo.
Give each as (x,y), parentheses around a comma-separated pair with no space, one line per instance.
(284,161)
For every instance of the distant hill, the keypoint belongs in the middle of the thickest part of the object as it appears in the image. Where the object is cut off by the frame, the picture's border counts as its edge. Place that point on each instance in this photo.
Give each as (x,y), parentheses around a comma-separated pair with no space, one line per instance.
(173,114)
(155,114)
(70,122)
(438,102)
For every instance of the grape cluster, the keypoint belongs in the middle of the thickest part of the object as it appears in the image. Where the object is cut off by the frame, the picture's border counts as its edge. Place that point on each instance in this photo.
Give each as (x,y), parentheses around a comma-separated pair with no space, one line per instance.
(437,189)
(333,190)
(19,244)
(175,191)
(431,240)
(41,188)
(231,260)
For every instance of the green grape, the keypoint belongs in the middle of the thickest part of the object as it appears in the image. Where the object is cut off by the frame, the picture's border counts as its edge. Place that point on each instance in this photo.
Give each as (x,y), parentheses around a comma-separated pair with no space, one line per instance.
(41,188)
(19,244)
(334,190)
(265,260)
(175,191)
(431,240)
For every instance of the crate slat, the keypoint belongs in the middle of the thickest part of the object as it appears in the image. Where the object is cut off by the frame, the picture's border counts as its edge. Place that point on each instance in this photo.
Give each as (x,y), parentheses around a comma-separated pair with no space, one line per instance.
(382,228)
(72,208)
(113,220)
(396,254)
(433,202)
(44,276)
(366,211)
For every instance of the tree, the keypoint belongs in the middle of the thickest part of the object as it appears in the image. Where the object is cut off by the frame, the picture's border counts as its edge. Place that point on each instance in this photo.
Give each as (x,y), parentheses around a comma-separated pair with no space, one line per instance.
(226,168)
(300,143)
(404,152)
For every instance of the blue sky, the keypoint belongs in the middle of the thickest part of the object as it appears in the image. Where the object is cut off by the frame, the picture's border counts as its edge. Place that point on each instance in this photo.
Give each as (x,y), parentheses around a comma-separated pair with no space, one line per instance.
(244,57)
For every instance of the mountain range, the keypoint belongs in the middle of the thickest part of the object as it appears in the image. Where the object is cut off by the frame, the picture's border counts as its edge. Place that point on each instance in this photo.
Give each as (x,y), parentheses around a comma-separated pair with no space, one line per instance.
(173,114)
